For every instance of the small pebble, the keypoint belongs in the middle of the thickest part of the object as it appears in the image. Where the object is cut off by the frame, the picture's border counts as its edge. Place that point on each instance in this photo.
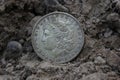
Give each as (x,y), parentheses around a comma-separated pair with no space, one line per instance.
(55,5)
(2,8)
(114,21)
(113,17)
(99,60)
(13,50)
(108,33)
(14,46)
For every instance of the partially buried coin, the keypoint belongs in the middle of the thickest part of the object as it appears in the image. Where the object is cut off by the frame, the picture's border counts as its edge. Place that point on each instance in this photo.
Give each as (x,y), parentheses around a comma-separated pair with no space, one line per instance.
(57,37)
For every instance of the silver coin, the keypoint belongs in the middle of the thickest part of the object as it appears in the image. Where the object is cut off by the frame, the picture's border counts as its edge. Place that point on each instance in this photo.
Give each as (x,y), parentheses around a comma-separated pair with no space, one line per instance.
(57,37)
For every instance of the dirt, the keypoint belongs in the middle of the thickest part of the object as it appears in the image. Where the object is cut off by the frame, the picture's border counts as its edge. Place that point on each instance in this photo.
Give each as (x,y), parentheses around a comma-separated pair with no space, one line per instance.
(99,59)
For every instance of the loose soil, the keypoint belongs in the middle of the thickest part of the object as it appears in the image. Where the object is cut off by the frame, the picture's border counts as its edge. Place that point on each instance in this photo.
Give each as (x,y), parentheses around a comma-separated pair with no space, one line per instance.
(99,59)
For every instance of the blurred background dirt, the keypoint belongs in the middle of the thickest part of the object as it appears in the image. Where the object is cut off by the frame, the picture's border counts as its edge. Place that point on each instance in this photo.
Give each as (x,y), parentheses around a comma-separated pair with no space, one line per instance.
(99,59)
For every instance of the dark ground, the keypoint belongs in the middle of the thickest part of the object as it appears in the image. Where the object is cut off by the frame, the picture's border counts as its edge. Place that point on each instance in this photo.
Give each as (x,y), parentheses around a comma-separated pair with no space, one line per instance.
(99,59)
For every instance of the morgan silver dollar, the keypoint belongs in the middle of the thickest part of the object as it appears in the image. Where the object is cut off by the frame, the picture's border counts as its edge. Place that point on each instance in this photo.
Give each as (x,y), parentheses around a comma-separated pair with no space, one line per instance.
(57,37)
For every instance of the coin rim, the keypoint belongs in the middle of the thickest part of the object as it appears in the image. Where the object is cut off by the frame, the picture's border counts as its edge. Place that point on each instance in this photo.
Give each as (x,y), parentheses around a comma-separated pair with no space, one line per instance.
(46,59)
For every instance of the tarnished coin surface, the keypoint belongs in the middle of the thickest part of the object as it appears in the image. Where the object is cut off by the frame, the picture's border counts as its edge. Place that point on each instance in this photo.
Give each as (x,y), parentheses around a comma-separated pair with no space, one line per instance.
(57,37)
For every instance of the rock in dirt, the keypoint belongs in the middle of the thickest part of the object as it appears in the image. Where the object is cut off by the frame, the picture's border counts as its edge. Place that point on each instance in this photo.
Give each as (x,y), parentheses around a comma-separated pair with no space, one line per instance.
(32,64)
(117,5)
(113,76)
(32,77)
(10,69)
(112,42)
(25,73)
(114,21)
(2,8)
(6,77)
(113,60)
(13,50)
(99,60)
(95,76)
(116,44)
(93,8)
(55,5)
(113,17)
(14,46)
(87,68)
(108,33)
